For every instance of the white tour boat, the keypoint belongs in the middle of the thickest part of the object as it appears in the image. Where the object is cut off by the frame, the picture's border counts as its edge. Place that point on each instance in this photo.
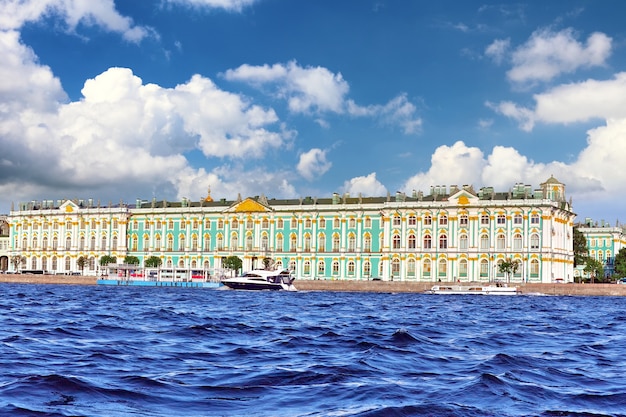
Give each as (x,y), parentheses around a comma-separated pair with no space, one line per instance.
(487,289)
(262,279)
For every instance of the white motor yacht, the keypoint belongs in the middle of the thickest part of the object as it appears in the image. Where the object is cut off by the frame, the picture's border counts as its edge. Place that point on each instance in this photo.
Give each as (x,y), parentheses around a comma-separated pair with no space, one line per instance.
(262,279)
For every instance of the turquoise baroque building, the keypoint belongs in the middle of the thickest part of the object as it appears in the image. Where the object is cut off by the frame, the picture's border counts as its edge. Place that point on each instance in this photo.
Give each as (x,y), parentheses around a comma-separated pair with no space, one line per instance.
(451,234)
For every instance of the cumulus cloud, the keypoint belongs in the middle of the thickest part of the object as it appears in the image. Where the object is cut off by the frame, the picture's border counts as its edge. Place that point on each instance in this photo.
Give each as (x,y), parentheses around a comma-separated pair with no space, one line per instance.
(313,164)
(318,90)
(498,49)
(367,186)
(123,134)
(571,103)
(15,13)
(548,54)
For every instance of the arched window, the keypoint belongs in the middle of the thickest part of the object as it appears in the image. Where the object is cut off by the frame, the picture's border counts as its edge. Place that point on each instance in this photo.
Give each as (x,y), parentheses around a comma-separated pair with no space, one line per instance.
(321,268)
(463,220)
(517,219)
(367,269)
(293,242)
(44,263)
(335,268)
(463,242)
(367,243)
(54,263)
(234,240)
(426,266)
(463,268)
(517,241)
(500,241)
(294,223)
(396,241)
(351,242)
(44,243)
(352,223)
(68,263)
(280,224)
(395,267)
(534,268)
(68,243)
(428,242)
(428,220)
(280,244)
(442,269)
(33,263)
(350,268)
(397,220)
(55,243)
(207,242)
(265,243)
(92,243)
(484,268)
(410,267)
(234,224)
(336,242)
(249,242)
(336,223)
(157,242)
(534,218)
(321,242)
(443,220)
(307,268)
(194,242)
(484,220)
(501,219)
(265,224)
(181,242)
(534,241)
(114,243)
(484,241)
(412,220)
(443,241)
(135,243)
(412,241)
(170,243)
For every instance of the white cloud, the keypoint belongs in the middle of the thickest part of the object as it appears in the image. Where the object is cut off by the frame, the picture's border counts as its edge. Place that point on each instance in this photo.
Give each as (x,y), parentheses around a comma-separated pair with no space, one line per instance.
(318,90)
(73,13)
(124,135)
(571,103)
(229,5)
(498,50)
(367,186)
(313,164)
(456,164)
(310,89)
(548,54)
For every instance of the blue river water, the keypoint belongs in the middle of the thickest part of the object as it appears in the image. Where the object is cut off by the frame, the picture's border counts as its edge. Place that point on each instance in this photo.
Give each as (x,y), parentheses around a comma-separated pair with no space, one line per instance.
(124,351)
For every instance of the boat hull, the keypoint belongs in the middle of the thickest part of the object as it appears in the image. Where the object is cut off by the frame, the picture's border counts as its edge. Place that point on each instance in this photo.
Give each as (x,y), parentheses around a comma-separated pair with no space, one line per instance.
(140,283)
(254,286)
(474,290)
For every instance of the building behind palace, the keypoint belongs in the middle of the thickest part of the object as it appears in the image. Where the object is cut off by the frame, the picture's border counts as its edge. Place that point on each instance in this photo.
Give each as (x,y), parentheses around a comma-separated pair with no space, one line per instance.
(450,234)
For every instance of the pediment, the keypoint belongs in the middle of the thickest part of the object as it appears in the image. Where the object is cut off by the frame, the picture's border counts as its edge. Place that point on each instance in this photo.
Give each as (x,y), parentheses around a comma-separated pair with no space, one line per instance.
(463,198)
(248,205)
(69,207)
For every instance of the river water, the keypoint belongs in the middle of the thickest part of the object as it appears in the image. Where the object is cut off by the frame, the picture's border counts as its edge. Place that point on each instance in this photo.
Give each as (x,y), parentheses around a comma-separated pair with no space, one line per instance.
(123,351)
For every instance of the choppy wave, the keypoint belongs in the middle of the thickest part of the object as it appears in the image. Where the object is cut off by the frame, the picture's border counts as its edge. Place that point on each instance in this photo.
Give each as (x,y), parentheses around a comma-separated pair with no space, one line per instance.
(108,351)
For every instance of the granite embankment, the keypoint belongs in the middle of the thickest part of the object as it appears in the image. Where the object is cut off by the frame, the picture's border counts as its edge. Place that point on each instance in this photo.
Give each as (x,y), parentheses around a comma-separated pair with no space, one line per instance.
(356,286)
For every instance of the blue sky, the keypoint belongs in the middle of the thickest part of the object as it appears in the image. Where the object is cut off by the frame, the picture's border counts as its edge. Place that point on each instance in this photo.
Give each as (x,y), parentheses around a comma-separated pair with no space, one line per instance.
(134,99)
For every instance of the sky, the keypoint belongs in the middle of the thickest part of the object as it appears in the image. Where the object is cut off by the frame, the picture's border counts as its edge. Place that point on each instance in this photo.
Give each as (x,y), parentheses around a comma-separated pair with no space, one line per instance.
(166,99)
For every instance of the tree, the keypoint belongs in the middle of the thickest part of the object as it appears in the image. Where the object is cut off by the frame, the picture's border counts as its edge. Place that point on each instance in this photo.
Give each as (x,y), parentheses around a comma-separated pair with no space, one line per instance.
(508,267)
(595,269)
(620,263)
(107,259)
(267,263)
(153,262)
(233,263)
(581,252)
(81,264)
(16,260)
(131,260)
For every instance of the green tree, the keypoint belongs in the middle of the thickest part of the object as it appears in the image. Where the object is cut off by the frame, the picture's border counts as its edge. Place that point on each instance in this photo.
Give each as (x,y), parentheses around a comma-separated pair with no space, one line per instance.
(153,262)
(233,263)
(620,263)
(595,269)
(508,267)
(581,252)
(131,260)
(107,259)
(267,263)
(81,262)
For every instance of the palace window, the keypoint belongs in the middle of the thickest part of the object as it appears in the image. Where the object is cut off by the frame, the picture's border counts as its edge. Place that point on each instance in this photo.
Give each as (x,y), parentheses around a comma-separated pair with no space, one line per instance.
(397,220)
(352,223)
(396,241)
(443,268)
(517,219)
(294,223)
(484,241)
(500,242)
(351,243)
(410,267)
(351,268)
(170,243)
(336,223)
(501,219)
(463,267)
(68,263)
(428,242)
(68,243)
(321,242)
(463,220)
(249,242)
(367,269)
(280,224)
(250,224)
(207,224)
(412,242)
(426,265)
(92,243)
(395,267)
(428,220)
(307,268)
(517,241)
(265,243)
(194,242)
(484,268)
(534,241)
(265,224)
(463,242)
(534,219)
(368,222)
(443,220)
(321,268)
(54,263)
(335,268)
(234,240)
(443,242)
(157,243)
(307,223)
(412,220)
(367,243)
(322,223)
(534,268)
(484,219)
(336,242)
(280,244)
(307,242)
(293,243)
(234,224)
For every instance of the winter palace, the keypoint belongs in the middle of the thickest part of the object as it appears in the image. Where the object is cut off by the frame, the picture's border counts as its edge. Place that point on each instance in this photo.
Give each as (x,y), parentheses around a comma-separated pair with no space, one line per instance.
(450,234)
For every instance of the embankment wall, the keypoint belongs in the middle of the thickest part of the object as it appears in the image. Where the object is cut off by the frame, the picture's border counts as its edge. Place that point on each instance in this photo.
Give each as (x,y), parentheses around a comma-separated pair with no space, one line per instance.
(357,286)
